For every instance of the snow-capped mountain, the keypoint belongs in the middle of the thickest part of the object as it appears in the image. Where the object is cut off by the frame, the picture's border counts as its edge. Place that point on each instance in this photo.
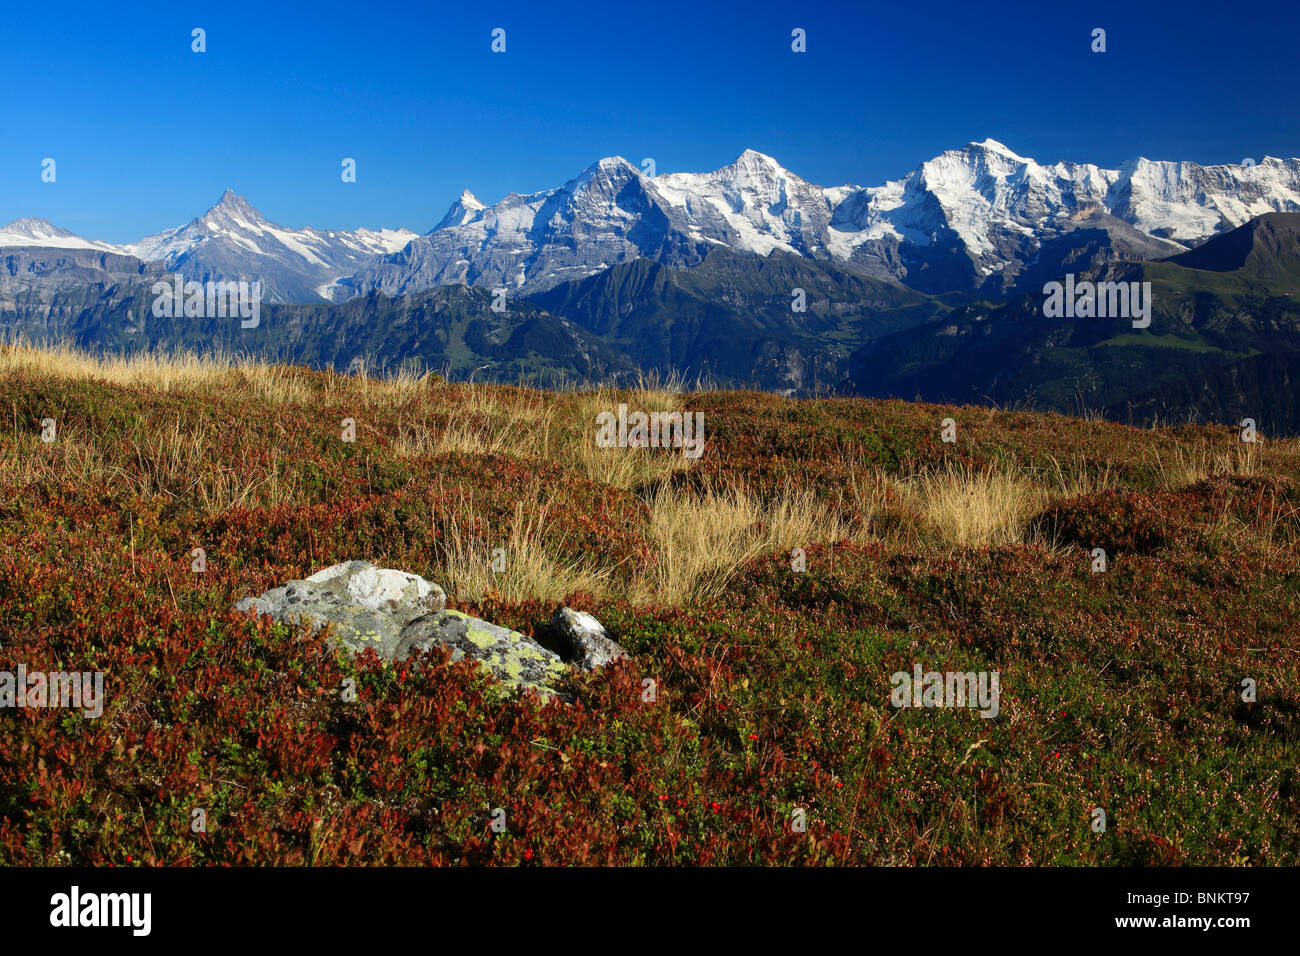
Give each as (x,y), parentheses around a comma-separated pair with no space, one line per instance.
(983,213)
(461,210)
(609,213)
(41,232)
(980,218)
(232,240)
(754,205)
(976,218)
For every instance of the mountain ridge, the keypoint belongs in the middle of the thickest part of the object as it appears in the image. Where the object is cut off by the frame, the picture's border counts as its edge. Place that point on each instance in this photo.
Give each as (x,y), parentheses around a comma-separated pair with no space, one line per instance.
(979,219)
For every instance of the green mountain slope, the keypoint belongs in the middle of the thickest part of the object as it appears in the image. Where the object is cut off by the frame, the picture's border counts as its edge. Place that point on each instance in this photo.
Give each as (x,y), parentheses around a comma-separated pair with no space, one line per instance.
(1225,327)
(450,329)
(731,318)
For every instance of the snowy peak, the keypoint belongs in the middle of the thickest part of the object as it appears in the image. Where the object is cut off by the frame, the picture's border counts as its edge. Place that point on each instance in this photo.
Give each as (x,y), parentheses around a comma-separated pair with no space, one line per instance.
(752,162)
(462,210)
(234,208)
(604,176)
(233,216)
(974,218)
(758,178)
(756,172)
(971,218)
(754,204)
(31,231)
(993,146)
(470,202)
(34,227)
(233,240)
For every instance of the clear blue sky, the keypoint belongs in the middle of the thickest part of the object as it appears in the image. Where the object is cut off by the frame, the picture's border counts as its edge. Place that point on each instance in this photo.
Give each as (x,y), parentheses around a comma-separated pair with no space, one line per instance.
(147,134)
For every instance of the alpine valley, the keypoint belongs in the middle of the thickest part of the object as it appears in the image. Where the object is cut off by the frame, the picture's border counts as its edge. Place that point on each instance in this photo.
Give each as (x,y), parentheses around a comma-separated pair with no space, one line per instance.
(930,286)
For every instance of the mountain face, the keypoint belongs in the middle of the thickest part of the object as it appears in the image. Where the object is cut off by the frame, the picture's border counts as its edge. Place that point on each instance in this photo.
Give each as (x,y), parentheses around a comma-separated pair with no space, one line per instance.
(1265,250)
(45,290)
(730,320)
(452,330)
(980,219)
(233,241)
(610,214)
(1223,343)
(607,215)
(976,217)
(39,267)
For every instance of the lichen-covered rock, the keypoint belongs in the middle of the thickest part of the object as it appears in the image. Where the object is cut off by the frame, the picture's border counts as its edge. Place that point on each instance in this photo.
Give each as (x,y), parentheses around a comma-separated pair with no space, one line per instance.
(367,606)
(395,614)
(589,644)
(510,657)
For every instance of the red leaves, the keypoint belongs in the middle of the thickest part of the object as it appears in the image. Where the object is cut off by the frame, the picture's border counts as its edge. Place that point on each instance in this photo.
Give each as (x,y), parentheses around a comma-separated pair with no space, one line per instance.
(773,699)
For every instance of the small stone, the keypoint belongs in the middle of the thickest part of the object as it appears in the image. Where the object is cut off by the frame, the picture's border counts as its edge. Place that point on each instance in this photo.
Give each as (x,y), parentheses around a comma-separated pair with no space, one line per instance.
(589,644)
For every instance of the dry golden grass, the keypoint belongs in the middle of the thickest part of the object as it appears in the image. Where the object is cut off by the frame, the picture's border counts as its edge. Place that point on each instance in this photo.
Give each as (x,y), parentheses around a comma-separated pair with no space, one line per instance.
(470,567)
(987,508)
(26,460)
(485,420)
(275,384)
(161,371)
(658,393)
(627,468)
(1076,480)
(459,437)
(190,371)
(702,538)
(173,461)
(972,510)
(1179,466)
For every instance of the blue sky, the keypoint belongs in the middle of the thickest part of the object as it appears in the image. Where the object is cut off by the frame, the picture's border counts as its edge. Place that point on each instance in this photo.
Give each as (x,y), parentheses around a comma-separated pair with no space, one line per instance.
(147,134)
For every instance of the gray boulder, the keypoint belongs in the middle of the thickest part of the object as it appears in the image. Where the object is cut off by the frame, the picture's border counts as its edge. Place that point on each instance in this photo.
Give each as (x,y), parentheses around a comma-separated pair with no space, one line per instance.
(510,657)
(366,607)
(588,643)
(395,614)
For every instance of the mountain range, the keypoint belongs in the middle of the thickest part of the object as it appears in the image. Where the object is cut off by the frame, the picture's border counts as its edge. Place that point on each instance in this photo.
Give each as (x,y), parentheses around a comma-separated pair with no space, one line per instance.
(980,219)
(232,241)
(928,287)
(1223,343)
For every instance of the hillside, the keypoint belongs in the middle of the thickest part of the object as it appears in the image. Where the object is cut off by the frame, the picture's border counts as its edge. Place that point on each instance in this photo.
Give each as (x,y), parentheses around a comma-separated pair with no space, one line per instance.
(730,318)
(452,329)
(771,685)
(1223,336)
(727,321)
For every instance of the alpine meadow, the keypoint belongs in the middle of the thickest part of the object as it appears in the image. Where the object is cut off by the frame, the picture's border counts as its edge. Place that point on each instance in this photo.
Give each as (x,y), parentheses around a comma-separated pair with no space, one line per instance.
(683,438)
